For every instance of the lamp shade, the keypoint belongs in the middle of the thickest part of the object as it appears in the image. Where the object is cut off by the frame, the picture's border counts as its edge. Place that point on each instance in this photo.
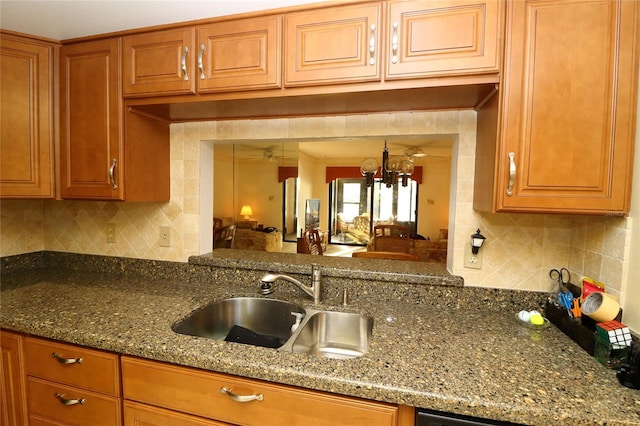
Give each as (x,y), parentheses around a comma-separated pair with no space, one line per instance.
(477,240)
(369,168)
(246,212)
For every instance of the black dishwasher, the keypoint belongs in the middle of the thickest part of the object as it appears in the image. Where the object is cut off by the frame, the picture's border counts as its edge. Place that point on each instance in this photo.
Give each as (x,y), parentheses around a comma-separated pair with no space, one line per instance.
(436,418)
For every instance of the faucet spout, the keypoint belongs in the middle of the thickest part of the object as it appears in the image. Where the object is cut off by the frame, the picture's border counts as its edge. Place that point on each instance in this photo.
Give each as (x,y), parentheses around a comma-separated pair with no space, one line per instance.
(313,291)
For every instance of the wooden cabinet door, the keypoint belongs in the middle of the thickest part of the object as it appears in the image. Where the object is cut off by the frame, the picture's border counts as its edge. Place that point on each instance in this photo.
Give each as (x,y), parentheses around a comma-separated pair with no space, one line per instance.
(240,55)
(159,63)
(13,398)
(91,140)
(333,45)
(568,107)
(26,118)
(443,37)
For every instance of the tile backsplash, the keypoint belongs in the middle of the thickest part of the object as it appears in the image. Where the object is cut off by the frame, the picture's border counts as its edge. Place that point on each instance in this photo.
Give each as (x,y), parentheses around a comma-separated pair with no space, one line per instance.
(519,251)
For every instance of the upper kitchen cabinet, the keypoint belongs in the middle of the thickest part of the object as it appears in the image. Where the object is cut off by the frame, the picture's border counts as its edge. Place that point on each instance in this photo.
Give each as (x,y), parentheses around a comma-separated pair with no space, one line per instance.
(333,45)
(227,56)
(159,63)
(564,120)
(106,153)
(428,38)
(242,54)
(26,117)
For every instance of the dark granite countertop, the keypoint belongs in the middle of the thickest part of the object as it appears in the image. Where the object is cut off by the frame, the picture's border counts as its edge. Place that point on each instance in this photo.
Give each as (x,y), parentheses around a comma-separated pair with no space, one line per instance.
(442,347)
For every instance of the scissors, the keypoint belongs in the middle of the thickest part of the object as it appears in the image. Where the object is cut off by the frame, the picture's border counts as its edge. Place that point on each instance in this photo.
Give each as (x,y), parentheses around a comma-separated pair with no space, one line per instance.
(562,277)
(566,301)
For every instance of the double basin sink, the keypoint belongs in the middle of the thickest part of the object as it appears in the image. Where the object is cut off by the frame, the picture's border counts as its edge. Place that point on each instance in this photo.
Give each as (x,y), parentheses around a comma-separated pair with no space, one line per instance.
(282,325)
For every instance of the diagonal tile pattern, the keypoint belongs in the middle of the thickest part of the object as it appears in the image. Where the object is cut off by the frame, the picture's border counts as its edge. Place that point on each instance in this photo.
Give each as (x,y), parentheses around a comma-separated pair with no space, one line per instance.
(519,251)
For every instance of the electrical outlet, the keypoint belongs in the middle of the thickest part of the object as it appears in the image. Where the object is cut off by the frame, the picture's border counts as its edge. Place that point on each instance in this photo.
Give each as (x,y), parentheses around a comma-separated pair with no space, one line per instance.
(165,236)
(472,261)
(111,232)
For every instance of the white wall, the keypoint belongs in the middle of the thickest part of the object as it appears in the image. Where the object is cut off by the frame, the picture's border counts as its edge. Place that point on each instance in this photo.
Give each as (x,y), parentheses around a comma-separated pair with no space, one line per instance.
(631,279)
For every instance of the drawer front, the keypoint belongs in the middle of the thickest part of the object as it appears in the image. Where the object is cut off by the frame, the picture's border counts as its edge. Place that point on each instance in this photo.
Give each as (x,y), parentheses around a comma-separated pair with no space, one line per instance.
(139,414)
(98,371)
(199,392)
(46,403)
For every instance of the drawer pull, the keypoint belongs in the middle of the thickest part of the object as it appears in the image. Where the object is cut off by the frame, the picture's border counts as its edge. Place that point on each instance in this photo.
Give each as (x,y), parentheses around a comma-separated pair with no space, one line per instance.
(241,398)
(512,173)
(201,62)
(112,170)
(372,45)
(63,360)
(65,401)
(394,44)
(183,64)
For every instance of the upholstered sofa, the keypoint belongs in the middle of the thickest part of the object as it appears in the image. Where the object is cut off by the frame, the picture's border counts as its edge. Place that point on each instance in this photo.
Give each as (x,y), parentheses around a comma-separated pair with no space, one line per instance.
(249,239)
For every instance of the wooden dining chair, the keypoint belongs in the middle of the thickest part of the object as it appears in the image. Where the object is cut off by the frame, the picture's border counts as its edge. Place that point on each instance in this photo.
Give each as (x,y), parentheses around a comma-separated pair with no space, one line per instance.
(392,255)
(312,242)
(225,237)
(393,238)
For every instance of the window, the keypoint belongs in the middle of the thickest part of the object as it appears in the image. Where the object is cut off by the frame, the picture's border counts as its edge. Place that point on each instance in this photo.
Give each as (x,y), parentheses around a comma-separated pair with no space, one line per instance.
(353,205)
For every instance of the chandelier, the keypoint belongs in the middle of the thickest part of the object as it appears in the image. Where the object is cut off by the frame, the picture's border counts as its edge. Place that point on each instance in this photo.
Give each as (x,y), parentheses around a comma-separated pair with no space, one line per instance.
(393,168)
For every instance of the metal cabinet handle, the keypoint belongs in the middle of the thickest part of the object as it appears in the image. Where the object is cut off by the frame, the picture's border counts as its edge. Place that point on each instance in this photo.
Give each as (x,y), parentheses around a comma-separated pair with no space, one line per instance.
(394,44)
(201,62)
(372,45)
(241,398)
(112,170)
(183,63)
(65,401)
(512,173)
(63,360)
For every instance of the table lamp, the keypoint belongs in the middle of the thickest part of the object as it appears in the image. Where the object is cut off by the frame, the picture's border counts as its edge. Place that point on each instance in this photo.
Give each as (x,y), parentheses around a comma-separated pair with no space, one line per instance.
(246,212)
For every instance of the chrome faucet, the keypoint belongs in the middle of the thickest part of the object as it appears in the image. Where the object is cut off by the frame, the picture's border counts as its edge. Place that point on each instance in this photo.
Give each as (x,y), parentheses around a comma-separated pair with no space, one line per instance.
(314,291)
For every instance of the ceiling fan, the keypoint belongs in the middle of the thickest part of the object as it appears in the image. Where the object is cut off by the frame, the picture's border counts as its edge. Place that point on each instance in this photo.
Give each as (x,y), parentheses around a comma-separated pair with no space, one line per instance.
(429,149)
(256,153)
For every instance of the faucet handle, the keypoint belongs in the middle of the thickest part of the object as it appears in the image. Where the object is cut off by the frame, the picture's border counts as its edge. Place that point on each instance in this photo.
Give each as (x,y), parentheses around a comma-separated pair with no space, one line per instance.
(266,288)
(345,297)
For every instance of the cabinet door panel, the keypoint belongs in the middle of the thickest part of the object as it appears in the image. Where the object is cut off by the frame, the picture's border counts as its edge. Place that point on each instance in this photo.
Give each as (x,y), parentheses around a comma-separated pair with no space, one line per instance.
(159,63)
(13,398)
(430,38)
(90,115)
(26,119)
(240,55)
(333,45)
(570,106)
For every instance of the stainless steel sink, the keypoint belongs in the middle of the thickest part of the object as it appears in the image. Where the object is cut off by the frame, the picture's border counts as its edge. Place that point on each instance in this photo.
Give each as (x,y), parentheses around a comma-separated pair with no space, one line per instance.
(268,322)
(332,334)
(266,317)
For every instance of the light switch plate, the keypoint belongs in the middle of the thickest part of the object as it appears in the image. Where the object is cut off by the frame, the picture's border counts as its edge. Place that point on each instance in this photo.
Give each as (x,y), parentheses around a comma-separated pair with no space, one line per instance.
(165,236)
(111,232)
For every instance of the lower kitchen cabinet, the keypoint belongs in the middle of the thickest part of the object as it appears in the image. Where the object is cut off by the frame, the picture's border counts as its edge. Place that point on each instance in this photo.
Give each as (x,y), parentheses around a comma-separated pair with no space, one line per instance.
(139,414)
(50,383)
(243,401)
(71,385)
(13,408)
